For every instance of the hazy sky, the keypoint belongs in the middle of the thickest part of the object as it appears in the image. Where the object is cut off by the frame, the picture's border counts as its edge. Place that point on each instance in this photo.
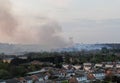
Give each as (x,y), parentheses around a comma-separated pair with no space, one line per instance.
(87,21)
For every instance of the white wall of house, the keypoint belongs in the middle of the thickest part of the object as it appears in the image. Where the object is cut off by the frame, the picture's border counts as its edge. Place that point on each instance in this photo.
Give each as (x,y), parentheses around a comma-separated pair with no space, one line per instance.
(65,66)
(117,65)
(98,65)
(69,74)
(108,66)
(41,79)
(77,67)
(30,81)
(2,82)
(80,79)
(99,75)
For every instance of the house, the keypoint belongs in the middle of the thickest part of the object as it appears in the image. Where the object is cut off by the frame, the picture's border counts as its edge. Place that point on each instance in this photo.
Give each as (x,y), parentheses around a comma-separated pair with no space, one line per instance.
(65,66)
(2,81)
(117,65)
(62,73)
(56,73)
(87,66)
(68,66)
(22,57)
(69,73)
(22,80)
(81,78)
(108,72)
(99,75)
(90,76)
(73,79)
(98,65)
(38,77)
(79,72)
(7,60)
(27,79)
(12,81)
(109,66)
(77,67)
(118,71)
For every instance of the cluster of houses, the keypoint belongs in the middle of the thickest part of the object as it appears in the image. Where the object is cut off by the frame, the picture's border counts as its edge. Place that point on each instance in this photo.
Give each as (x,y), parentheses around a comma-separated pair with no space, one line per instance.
(83,73)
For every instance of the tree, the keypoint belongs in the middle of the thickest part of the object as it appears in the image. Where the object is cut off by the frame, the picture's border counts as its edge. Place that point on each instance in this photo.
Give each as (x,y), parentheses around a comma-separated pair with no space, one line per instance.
(17,71)
(4,74)
(18,61)
(4,66)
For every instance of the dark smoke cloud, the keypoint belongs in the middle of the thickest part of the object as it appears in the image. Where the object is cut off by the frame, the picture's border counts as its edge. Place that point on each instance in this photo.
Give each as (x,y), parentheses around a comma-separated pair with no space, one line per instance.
(29,30)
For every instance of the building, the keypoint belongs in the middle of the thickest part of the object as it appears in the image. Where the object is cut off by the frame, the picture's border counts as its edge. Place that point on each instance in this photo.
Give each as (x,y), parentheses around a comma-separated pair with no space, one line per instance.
(99,75)
(87,66)
(98,65)
(7,60)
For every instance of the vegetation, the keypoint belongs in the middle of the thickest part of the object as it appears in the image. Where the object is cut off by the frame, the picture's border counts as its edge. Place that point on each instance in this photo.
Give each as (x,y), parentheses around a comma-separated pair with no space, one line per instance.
(19,67)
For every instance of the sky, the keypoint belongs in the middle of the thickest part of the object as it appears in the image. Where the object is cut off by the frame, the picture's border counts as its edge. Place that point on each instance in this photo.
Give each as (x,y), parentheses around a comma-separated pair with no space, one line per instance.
(86,21)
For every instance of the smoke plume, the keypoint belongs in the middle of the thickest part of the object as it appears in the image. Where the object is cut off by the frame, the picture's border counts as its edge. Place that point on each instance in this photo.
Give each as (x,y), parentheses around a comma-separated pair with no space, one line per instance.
(29,30)
(7,21)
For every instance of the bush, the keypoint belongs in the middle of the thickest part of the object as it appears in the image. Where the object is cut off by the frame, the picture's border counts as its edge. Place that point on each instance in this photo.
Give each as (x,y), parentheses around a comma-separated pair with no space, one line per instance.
(65,81)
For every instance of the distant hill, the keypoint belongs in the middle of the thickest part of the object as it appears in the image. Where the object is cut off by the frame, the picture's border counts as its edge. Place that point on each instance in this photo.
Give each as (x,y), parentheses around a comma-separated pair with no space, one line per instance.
(87,47)
(20,49)
(116,46)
